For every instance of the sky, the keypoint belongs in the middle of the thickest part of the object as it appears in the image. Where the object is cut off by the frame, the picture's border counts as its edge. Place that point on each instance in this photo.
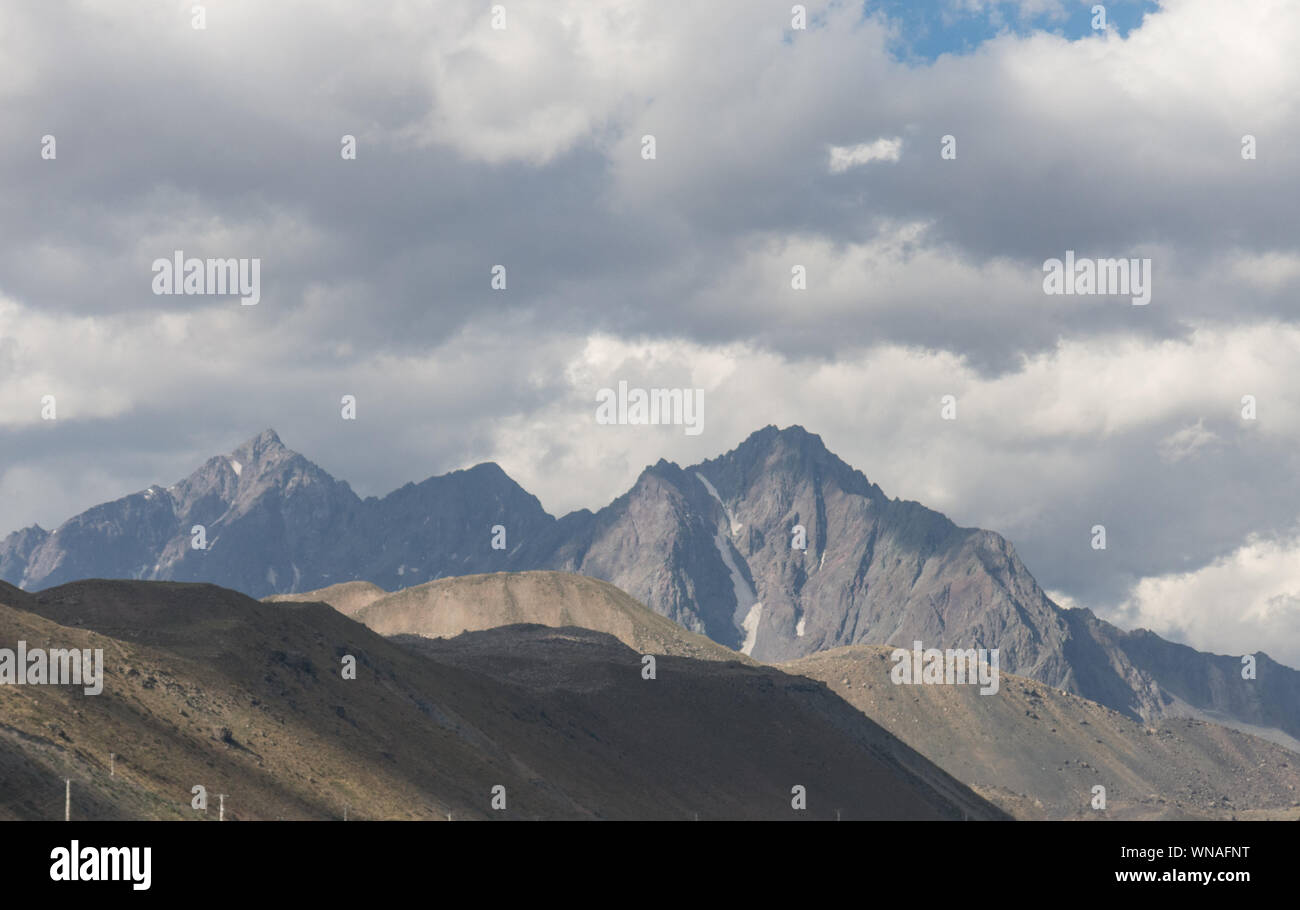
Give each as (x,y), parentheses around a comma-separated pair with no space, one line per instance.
(774,147)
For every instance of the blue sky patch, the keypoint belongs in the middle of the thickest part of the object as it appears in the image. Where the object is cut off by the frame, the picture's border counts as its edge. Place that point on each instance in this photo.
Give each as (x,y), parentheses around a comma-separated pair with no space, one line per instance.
(931,28)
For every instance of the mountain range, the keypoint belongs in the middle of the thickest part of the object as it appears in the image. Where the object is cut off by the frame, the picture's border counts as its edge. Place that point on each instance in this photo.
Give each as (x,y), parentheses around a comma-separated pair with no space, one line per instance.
(711,547)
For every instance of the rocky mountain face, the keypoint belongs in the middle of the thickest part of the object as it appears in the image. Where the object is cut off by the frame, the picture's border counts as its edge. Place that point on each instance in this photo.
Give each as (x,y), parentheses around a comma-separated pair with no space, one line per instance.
(777,549)
(273,522)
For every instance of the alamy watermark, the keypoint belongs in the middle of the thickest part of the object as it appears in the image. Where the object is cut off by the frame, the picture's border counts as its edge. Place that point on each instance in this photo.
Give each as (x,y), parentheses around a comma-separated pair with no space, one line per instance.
(1101,277)
(931,666)
(682,407)
(75,863)
(56,667)
(179,275)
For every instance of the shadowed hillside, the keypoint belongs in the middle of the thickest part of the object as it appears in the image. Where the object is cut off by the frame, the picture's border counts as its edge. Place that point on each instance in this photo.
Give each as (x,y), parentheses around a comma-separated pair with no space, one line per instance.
(206,686)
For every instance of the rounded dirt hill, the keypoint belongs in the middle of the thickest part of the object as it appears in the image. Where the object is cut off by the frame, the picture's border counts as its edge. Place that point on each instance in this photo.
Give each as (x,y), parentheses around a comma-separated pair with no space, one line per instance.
(447,607)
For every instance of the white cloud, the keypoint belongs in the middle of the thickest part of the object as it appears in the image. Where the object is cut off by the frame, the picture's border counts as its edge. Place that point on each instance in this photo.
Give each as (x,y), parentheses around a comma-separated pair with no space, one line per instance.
(1270,270)
(1245,602)
(1187,442)
(844,157)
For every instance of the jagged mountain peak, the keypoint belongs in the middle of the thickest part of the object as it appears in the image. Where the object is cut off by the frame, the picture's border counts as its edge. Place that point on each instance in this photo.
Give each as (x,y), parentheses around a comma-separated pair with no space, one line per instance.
(793,448)
(791,438)
(663,468)
(785,458)
(794,433)
(481,484)
(485,472)
(256,466)
(654,478)
(267,437)
(265,446)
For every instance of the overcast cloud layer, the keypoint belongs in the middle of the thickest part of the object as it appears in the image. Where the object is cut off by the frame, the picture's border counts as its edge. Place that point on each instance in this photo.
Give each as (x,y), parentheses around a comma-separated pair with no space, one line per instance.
(774,148)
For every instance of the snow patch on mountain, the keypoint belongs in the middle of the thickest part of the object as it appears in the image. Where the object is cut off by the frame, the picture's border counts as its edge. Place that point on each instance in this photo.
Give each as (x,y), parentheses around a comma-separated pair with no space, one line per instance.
(750,625)
(744,593)
(735,525)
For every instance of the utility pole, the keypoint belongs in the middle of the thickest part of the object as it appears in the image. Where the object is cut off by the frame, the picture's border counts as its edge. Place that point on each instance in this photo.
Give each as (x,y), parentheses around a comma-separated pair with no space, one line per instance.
(67,800)
(112,757)
(221,807)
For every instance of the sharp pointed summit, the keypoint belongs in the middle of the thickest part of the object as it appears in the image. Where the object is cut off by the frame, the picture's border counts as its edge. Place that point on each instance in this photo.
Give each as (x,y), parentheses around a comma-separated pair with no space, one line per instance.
(266,440)
(266,445)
